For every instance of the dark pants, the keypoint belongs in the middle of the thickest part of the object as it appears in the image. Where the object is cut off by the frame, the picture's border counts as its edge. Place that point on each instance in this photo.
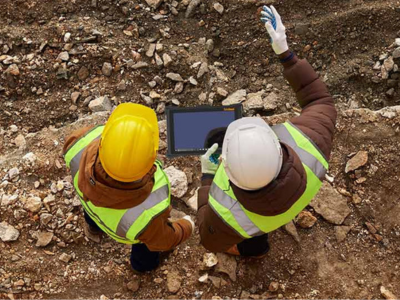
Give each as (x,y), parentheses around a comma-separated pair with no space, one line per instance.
(255,246)
(142,259)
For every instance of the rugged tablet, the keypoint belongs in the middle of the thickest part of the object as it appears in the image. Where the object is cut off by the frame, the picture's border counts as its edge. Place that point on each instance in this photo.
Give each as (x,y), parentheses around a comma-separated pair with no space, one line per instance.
(191,131)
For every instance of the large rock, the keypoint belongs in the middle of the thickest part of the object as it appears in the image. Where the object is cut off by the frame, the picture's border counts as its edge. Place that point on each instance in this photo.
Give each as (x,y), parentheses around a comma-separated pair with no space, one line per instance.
(33,204)
(100,104)
(174,281)
(330,204)
(235,98)
(191,7)
(227,264)
(271,102)
(192,202)
(8,233)
(202,70)
(178,180)
(359,160)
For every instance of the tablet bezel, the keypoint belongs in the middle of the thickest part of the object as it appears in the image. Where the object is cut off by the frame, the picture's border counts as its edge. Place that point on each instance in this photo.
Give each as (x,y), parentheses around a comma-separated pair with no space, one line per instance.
(170,110)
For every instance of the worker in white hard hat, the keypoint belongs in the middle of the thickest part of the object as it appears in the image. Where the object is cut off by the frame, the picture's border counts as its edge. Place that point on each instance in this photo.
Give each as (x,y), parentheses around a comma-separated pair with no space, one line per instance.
(267,175)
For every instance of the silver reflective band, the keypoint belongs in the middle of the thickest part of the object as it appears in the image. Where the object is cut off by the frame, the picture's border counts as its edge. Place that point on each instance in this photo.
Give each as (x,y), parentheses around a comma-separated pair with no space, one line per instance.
(308,159)
(134,213)
(234,206)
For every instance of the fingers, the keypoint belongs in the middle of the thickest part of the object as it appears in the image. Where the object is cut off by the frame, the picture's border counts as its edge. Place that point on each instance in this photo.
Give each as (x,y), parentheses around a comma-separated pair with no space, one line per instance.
(270,29)
(211,150)
(267,12)
(277,16)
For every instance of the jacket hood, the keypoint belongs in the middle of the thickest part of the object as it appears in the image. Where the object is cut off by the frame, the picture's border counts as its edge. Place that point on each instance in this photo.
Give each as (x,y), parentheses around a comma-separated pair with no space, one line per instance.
(104,191)
(280,194)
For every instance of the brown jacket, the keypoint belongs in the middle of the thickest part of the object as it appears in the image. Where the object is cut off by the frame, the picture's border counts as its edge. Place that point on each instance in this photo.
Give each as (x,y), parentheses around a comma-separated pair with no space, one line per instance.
(160,234)
(317,121)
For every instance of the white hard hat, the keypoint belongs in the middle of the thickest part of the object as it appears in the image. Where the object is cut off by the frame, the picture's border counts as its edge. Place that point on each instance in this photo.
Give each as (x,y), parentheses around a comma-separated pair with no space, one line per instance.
(251,153)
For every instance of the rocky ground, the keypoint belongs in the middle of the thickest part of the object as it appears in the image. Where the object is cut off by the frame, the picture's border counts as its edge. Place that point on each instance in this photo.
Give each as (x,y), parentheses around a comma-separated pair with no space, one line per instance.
(65,64)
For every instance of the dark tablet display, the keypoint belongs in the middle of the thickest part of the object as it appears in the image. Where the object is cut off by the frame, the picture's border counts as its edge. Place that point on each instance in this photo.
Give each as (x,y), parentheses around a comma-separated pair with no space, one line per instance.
(191,131)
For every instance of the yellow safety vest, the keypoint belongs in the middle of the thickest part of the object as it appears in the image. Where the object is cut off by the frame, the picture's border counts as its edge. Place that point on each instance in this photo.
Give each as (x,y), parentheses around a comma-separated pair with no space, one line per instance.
(249,224)
(123,225)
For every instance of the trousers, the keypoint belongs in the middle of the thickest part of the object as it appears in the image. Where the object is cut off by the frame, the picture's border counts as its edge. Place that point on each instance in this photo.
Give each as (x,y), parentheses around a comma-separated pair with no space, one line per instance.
(142,259)
(255,246)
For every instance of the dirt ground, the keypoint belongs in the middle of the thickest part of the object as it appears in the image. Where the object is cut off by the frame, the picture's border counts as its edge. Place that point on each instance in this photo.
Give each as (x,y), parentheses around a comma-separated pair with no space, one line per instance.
(342,39)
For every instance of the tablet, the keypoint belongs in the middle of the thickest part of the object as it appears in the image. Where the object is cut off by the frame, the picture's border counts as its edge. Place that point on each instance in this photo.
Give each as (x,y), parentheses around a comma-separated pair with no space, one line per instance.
(192,131)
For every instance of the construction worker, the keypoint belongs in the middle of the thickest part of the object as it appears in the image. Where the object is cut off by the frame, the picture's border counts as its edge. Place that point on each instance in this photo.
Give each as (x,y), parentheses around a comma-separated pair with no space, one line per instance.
(123,188)
(268,175)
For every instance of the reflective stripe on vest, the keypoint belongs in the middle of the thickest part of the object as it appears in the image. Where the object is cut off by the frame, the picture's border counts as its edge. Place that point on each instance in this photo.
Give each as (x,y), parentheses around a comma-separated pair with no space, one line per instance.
(123,225)
(248,224)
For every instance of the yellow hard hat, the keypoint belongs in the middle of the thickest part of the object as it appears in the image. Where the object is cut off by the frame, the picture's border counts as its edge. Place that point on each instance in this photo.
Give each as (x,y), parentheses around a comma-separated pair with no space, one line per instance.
(129,142)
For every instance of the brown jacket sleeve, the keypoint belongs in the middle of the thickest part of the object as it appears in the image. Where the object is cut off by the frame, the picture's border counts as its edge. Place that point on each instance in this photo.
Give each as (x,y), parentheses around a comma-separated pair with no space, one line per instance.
(73,137)
(318,116)
(163,235)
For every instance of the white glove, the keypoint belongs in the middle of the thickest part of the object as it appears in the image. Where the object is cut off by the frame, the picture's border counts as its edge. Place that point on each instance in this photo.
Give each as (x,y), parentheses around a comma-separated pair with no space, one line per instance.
(188,218)
(209,166)
(275,28)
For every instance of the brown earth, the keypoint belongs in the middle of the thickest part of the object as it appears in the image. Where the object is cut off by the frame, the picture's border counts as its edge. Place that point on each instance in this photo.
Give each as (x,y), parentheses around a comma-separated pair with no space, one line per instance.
(341,39)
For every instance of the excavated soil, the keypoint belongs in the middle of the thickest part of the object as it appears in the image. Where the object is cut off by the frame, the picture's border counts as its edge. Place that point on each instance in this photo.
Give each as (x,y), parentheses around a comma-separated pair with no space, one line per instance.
(341,39)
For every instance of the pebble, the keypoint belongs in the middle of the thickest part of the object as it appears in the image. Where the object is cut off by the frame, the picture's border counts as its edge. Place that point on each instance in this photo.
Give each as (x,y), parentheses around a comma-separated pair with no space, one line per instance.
(33,204)
(83,73)
(387,294)
(396,53)
(67,37)
(150,51)
(133,285)
(100,104)
(75,96)
(204,278)
(29,158)
(210,45)
(191,7)
(305,219)
(167,60)
(291,229)
(13,70)
(193,81)
(154,3)
(174,77)
(20,141)
(121,85)
(175,102)
(273,286)
(158,59)
(107,69)
(63,56)
(178,180)
(65,257)
(140,65)
(43,238)
(178,88)
(174,281)
(152,84)
(210,260)
(341,233)
(45,218)
(8,233)
(356,162)
(202,70)
(218,7)
(154,95)
(222,92)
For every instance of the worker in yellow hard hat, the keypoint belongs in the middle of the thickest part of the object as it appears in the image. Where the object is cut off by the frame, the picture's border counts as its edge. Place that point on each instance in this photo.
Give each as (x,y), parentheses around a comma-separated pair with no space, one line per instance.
(122,186)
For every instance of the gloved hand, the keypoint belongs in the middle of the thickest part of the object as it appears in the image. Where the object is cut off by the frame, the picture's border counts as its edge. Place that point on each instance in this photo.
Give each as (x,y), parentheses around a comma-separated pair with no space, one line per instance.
(188,218)
(209,165)
(275,28)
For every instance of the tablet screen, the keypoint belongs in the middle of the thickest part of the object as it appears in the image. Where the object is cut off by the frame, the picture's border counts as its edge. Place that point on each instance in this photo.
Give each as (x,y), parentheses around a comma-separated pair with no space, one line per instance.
(196,131)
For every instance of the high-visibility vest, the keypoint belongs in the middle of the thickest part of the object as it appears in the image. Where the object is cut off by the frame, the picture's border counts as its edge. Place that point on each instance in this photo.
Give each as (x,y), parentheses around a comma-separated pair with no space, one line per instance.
(249,224)
(123,225)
